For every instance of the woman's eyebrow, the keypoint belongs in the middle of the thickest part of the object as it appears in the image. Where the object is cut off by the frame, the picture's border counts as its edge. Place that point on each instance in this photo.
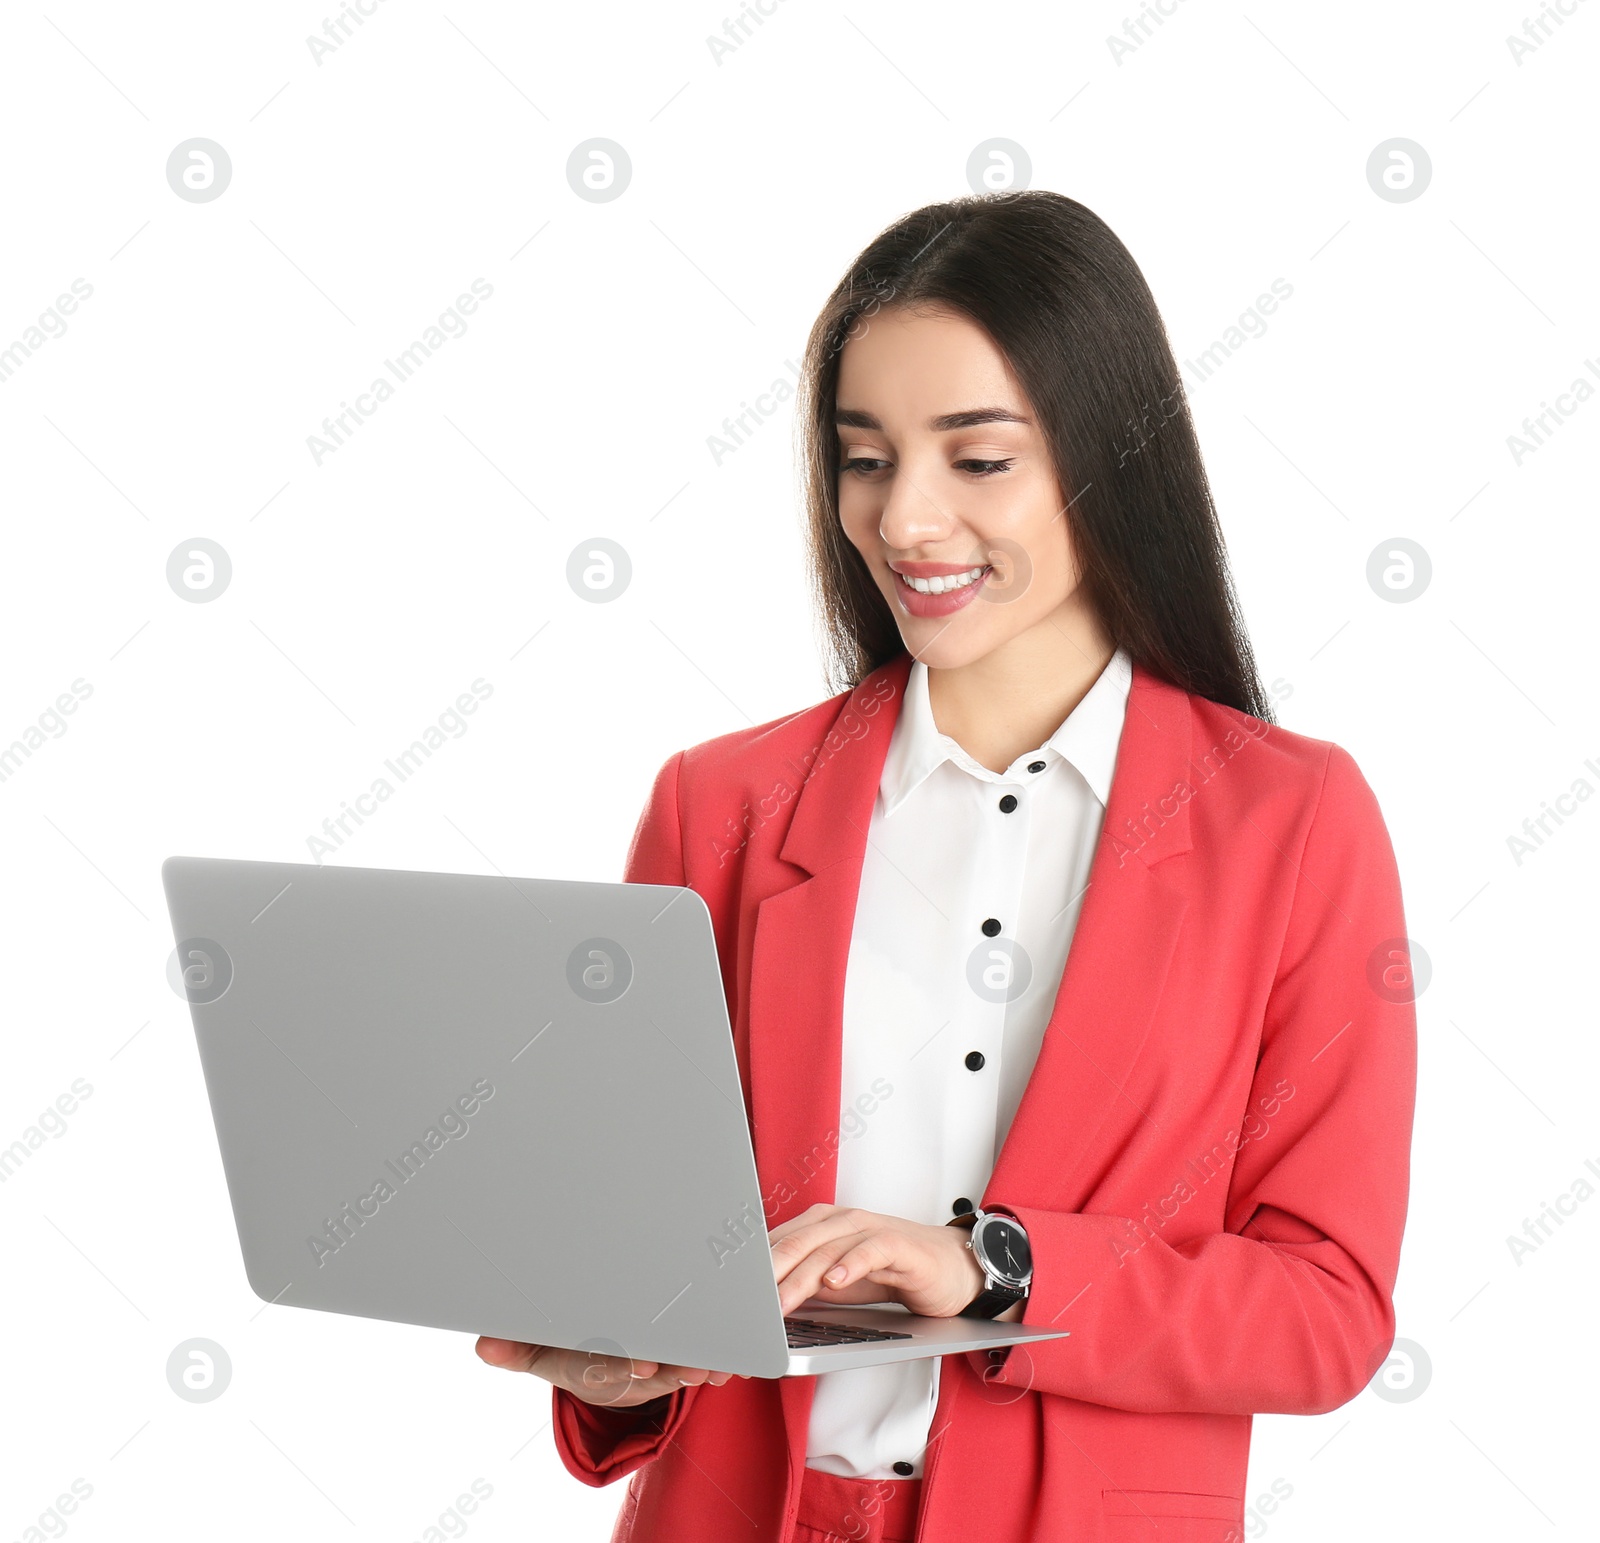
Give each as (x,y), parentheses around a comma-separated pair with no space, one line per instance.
(850,418)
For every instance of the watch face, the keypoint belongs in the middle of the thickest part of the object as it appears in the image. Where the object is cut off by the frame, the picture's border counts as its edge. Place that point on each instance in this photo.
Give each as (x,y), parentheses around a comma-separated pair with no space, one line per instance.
(1002,1248)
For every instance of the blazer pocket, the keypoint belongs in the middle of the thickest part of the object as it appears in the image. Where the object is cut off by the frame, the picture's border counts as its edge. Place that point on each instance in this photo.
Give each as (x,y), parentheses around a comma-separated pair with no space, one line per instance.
(1153,1503)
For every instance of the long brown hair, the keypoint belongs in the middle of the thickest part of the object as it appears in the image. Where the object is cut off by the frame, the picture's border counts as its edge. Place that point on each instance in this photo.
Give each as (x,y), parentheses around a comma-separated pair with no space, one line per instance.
(1063,299)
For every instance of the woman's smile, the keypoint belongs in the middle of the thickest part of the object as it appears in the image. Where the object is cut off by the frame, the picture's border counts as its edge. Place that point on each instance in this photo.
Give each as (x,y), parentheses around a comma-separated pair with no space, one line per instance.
(937,590)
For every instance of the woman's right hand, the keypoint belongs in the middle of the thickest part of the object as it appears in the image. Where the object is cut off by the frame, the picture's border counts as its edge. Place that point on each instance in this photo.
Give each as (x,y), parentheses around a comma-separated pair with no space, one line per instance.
(609,1381)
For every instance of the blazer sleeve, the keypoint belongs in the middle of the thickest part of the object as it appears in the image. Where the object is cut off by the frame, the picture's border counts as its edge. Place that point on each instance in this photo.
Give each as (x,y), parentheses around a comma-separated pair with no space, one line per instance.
(1289,1309)
(597,1444)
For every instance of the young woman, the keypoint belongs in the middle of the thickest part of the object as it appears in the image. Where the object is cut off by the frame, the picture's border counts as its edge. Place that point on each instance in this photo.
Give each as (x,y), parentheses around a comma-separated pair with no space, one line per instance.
(1197,1122)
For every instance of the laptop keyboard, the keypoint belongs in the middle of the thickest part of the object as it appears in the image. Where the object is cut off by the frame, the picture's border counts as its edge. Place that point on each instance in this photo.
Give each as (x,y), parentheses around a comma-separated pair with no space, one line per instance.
(806,1333)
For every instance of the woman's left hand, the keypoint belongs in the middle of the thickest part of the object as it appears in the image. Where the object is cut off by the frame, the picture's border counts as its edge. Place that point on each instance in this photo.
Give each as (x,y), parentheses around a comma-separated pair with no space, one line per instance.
(927,1269)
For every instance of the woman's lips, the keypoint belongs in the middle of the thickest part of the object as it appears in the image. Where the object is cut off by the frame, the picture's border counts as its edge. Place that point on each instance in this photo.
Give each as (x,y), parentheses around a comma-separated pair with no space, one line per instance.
(946,603)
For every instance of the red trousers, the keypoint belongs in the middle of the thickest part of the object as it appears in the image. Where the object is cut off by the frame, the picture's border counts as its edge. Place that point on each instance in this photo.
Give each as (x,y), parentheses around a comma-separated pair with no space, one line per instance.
(837,1510)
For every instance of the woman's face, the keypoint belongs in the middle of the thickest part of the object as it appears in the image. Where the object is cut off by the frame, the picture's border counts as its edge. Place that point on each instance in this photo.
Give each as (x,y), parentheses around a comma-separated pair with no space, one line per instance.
(943,470)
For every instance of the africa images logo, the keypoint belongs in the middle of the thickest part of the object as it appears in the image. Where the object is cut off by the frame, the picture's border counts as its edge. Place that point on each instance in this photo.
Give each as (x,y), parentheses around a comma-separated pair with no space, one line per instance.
(340,1228)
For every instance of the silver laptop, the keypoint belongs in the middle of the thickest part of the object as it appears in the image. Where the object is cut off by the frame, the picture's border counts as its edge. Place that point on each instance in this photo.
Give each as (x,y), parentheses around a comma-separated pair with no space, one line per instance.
(503,1106)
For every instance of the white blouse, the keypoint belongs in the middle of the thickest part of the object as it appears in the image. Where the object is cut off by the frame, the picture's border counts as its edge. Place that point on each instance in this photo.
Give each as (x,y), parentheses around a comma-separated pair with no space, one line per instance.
(970,889)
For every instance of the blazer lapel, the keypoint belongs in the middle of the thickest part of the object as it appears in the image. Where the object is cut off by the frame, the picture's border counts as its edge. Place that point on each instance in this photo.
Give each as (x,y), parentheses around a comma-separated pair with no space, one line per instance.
(797,977)
(801,948)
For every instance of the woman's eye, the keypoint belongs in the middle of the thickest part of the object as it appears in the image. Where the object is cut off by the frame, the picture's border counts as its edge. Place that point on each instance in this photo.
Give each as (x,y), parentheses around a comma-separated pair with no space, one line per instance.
(863,465)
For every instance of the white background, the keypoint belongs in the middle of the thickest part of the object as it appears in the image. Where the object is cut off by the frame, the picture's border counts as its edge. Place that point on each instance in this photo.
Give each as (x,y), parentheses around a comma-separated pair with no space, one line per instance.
(1229,149)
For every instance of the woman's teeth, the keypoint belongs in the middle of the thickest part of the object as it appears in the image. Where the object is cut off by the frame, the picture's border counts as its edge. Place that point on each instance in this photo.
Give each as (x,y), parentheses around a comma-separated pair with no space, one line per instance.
(937,586)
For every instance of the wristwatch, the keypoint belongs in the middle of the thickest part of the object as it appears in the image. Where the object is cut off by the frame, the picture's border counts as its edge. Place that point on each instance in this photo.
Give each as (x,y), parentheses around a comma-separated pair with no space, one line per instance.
(1000,1245)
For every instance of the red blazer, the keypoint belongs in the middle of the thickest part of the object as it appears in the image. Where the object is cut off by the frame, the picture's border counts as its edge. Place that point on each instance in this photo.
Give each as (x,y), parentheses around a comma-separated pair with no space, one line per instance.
(1211,1156)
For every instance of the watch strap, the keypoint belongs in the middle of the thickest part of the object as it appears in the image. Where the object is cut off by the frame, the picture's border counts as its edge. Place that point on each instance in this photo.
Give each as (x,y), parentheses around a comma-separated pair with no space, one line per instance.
(991,1302)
